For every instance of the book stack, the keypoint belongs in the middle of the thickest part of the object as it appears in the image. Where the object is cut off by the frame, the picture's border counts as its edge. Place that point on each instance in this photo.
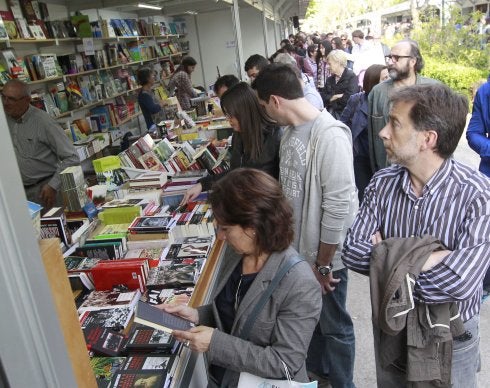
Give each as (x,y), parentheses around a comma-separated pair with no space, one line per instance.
(73,188)
(193,219)
(212,160)
(144,371)
(109,309)
(180,267)
(104,368)
(53,225)
(101,249)
(148,180)
(131,273)
(150,227)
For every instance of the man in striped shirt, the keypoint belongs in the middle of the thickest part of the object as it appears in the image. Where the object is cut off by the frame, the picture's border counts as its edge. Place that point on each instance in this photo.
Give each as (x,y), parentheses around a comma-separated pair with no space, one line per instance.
(426,192)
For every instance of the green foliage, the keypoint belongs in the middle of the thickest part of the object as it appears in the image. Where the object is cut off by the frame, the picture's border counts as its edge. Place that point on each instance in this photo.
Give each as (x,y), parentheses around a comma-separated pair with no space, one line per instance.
(457,41)
(456,76)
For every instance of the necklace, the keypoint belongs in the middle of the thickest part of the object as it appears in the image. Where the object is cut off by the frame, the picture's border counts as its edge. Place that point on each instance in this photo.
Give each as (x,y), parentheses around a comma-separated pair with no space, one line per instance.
(237,294)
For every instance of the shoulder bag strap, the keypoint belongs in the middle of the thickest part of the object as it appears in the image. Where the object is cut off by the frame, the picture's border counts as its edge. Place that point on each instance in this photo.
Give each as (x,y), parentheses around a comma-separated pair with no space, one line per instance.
(247,327)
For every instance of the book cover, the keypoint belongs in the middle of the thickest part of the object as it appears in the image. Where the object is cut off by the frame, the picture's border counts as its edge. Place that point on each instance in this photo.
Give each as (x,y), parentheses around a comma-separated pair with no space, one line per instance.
(102,300)
(166,277)
(118,273)
(104,368)
(138,379)
(154,223)
(151,162)
(116,318)
(147,339)
(104,342)
(168,295)
(9,24)
(80,264)
(102,251)
(151,316)
(149,363)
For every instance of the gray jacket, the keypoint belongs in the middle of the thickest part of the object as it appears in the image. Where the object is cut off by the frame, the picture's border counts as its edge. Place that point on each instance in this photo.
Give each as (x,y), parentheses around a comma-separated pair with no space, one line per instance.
(282,330)
(379,109)
(414,336)
(330,201)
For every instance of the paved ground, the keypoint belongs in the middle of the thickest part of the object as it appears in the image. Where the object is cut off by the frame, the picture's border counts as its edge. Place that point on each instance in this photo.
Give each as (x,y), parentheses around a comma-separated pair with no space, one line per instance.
(359,306)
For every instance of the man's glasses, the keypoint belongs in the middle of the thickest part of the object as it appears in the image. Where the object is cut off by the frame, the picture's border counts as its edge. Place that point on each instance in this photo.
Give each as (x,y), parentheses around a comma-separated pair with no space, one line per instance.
(396,58)
(11,99)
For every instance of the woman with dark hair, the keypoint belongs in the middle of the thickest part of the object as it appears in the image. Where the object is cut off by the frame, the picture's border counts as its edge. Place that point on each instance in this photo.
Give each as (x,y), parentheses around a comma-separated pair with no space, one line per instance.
(322,69)
(181,82)
(355,116)
(151,107)
(256,138)
(341,84)
(311,54)
(256,220)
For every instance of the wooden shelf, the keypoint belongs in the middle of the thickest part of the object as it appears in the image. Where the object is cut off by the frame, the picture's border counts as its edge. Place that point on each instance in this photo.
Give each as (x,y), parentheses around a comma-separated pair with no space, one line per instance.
(56,41)
(96,103)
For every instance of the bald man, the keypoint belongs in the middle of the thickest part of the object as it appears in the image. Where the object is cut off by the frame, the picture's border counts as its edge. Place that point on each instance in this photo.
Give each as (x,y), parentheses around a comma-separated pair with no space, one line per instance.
(41,147)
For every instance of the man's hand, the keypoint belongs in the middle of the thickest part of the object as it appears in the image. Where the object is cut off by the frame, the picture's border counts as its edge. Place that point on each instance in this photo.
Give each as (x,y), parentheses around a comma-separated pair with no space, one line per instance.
(327,282)
(376,238)
(48,196)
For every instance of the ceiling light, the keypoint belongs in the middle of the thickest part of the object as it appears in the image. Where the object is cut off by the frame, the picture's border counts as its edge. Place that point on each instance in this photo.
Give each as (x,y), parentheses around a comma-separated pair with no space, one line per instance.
(142,5)
(191,12)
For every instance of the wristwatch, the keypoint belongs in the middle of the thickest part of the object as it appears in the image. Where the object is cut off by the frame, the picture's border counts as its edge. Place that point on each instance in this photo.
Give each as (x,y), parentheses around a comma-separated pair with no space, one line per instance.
(324,270)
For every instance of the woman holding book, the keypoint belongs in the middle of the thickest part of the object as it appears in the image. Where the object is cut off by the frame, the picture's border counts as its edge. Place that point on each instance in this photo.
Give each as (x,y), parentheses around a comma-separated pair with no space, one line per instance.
(181,82)
(256,138)
(256,220)
(151,107)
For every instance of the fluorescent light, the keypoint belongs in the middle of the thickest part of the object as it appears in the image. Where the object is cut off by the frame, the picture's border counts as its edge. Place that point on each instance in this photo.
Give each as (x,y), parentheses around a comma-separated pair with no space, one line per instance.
(191,12)
(142,5)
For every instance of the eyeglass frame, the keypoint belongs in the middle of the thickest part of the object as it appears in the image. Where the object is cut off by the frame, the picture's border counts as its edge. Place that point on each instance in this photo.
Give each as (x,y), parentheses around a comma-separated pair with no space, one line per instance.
(11,99)
(396,58)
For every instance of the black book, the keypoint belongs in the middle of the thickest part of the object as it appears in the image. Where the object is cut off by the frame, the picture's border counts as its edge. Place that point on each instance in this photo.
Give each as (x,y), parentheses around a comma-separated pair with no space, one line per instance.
(144,339)
(152,316)
(104,342)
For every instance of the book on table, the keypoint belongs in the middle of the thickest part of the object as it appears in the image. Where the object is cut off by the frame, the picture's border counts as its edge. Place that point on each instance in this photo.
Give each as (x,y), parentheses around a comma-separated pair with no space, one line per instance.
(131,273)
(100,300)
(105,368)
(149,315)
(104,342)
(112,318)
(146,339)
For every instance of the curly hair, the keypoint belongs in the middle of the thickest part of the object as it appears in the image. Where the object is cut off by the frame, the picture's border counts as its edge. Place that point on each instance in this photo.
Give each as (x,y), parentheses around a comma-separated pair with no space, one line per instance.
(253,199)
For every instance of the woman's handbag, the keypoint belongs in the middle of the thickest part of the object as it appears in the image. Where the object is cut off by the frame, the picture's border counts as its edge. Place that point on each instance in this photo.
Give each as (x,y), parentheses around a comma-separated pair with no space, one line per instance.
(248,380)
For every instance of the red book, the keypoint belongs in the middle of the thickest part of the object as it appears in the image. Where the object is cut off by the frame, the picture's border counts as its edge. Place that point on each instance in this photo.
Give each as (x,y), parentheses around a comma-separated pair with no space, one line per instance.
(131,273)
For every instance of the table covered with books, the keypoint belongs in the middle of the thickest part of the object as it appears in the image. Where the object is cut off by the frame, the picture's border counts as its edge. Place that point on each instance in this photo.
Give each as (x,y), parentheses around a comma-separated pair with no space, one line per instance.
(140,250)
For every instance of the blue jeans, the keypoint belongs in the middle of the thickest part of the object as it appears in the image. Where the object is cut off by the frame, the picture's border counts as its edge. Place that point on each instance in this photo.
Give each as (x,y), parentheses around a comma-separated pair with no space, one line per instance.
(332,347)
(464,366)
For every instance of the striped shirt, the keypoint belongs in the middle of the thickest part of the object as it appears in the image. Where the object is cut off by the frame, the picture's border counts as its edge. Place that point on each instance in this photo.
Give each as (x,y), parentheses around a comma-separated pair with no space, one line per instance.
(454,207)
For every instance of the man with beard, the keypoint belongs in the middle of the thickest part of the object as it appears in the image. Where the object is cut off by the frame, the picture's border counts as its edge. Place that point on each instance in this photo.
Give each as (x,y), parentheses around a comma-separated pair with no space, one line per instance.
(404,65)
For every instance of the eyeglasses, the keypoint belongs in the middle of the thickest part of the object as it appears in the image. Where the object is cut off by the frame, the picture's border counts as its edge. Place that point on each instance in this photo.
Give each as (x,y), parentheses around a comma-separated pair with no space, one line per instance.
(396,58)
(11,99)
(343,39)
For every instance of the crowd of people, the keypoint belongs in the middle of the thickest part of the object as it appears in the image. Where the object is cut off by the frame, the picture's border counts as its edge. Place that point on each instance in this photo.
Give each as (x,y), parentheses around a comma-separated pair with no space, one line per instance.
(341,159)
(364,181)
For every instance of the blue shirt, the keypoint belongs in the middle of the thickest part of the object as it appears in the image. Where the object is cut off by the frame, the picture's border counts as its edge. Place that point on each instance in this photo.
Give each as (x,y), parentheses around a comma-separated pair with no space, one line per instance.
(479,127)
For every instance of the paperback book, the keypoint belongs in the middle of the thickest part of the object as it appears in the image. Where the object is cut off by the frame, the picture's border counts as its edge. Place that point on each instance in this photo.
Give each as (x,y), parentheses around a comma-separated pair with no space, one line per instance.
(102,300)
(149,315)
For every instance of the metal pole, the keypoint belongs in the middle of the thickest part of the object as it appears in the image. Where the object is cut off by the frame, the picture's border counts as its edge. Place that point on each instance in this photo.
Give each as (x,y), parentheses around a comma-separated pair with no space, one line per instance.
(235,11)
(264,29)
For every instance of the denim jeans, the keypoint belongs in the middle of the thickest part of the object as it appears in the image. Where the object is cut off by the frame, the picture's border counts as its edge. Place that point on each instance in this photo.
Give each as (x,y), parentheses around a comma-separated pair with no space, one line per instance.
(464,367)
(332,347)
